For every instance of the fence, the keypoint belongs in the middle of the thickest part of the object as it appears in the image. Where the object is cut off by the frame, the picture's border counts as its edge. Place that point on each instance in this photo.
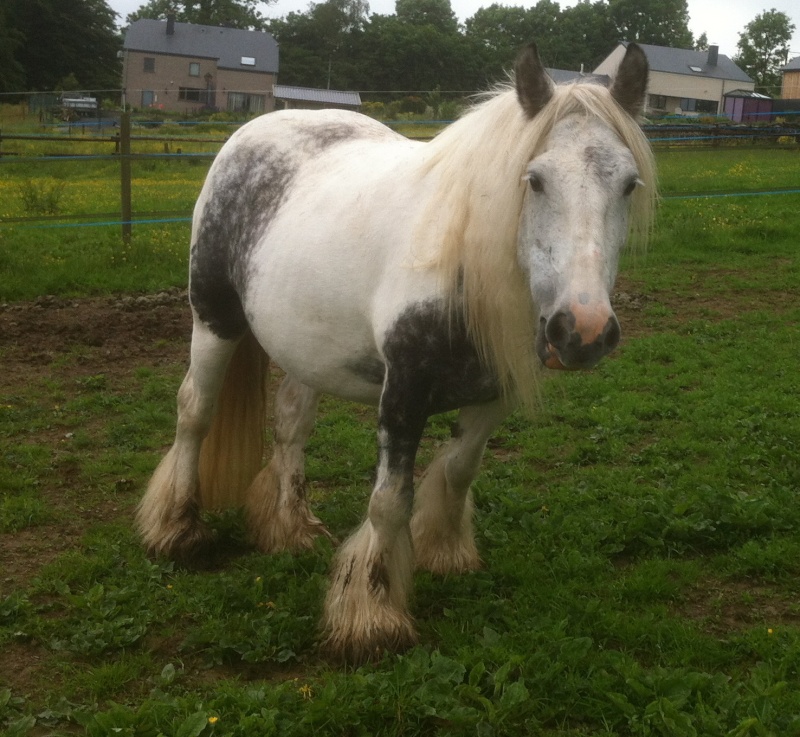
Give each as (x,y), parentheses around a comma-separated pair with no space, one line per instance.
(662,135)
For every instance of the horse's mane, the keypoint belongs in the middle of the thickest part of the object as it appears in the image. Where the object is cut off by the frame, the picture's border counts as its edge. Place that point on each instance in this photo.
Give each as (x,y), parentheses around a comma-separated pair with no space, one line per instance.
(479,163)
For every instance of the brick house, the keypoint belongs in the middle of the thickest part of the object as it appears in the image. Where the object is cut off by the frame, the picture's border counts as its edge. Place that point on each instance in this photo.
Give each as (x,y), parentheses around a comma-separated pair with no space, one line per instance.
(183,67)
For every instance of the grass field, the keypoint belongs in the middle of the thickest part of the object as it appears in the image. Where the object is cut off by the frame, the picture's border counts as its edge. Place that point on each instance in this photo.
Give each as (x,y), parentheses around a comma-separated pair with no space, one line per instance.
(641,534)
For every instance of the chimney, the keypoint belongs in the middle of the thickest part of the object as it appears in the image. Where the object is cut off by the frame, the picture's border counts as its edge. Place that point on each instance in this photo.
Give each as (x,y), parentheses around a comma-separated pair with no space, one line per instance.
(713,55)
(171,24)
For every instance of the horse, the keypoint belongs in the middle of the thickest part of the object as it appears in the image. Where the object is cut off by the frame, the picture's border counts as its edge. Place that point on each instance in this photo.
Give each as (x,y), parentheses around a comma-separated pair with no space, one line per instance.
(418,277)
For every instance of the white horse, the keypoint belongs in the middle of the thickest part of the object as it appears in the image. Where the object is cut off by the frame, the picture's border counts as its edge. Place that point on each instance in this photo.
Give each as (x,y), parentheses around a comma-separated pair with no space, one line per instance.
(418,277)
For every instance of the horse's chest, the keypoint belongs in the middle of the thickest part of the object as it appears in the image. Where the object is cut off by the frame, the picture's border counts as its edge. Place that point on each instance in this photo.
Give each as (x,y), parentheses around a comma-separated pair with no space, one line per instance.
(432,362)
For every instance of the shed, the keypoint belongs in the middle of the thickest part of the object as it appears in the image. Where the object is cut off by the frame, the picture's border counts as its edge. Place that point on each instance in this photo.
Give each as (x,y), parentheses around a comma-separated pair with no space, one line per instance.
(309,98)
(748,106)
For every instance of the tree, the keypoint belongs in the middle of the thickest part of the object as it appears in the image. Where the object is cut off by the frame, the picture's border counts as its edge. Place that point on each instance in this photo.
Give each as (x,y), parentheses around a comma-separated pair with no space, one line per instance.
(701,42)
(764,48)
(242,14)
(503,30)
(12,74)
(586,33)
(58,39)
(320,48)
(436,13)
(658,22)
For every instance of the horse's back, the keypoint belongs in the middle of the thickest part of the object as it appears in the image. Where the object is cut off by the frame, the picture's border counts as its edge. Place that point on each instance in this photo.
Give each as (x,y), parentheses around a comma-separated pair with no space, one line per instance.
(250,179)
(302,235)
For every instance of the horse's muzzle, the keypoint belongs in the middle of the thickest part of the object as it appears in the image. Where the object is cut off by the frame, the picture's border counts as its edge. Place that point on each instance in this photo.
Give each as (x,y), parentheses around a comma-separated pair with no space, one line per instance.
(562,343)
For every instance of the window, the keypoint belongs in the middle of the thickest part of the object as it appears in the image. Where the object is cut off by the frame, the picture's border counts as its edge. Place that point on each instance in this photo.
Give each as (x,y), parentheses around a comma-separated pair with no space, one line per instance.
(695,69)
(148,98)
(709,107)
(149,64)
(194,69)
(191,94)
(242,102)
(657,102)
(248,61)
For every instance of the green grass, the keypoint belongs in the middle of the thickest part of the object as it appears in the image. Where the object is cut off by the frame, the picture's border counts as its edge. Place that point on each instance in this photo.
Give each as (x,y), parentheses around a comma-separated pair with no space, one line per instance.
(641,534)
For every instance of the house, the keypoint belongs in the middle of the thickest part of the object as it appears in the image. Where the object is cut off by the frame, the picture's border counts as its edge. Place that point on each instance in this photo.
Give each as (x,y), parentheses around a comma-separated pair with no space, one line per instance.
(288,98)
(183,67)
(683,81)
(790,88)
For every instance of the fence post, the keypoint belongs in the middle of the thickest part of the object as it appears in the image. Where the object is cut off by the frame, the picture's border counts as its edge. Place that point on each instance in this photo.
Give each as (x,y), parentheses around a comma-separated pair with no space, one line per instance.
(125,175)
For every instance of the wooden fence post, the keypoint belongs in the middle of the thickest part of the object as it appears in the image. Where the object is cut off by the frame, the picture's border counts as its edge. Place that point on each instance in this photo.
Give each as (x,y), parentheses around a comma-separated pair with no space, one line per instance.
(125,175)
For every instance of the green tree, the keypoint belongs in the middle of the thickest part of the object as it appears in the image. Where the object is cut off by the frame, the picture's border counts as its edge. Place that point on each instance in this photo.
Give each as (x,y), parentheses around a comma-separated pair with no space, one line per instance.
(320,48)
(58,39)
(242,14)
(402,56)
(701,42)
(764,48)
(585,36)
(658,22)
(436,13)
(501,31)
(12,74)
(498,32)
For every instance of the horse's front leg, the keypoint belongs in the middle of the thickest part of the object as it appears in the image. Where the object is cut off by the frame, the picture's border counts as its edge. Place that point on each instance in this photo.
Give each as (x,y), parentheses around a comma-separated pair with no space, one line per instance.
(366,609)
(442,521)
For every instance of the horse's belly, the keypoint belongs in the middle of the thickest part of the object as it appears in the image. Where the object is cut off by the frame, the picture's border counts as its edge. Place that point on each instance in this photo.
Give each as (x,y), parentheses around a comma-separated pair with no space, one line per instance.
(326,348)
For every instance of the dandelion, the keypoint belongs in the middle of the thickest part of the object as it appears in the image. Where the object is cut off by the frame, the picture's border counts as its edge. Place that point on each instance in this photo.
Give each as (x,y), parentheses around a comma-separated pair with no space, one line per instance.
(213,720)
(769,631)
(169,586)
(305,691)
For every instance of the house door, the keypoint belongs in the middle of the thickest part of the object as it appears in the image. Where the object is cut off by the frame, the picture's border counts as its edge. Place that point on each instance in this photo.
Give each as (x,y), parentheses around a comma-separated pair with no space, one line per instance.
(148,98)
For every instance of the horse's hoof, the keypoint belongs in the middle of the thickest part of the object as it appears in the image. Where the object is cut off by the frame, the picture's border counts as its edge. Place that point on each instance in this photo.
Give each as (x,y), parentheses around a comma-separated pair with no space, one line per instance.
(354,651)
(193,549)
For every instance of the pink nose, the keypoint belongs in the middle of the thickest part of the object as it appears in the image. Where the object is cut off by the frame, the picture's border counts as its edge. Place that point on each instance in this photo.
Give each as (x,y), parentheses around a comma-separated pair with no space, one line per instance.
(571,341)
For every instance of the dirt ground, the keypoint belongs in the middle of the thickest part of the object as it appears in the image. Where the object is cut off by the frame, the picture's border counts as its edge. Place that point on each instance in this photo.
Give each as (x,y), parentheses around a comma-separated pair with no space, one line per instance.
(71,339)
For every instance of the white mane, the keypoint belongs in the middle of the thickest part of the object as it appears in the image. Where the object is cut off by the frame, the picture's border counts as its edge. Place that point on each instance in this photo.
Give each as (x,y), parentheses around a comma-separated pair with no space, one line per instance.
(479,163)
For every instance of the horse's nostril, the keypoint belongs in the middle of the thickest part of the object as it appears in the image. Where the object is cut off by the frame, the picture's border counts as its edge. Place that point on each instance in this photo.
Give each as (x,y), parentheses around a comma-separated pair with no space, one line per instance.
(611,334)
(559,328)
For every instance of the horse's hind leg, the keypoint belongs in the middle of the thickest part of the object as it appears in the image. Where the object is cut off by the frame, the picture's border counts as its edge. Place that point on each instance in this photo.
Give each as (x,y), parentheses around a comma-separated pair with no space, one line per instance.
(168,517)
(277,511)
(441,526)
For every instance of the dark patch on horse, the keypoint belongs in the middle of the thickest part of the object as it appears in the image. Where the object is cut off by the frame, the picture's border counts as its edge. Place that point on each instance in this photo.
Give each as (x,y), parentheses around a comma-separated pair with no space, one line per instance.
(317,138)
(378,577)
(247,189)
(369,368)
(599,161)
(432,366)
(298,483)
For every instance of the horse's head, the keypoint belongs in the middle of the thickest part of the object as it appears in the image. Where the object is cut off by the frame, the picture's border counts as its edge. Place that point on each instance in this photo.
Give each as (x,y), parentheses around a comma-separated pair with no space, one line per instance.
(575,217)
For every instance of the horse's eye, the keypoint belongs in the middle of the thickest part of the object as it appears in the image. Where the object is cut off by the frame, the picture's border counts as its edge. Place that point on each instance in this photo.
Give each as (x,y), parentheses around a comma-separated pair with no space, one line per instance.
(630,187)
(536,183)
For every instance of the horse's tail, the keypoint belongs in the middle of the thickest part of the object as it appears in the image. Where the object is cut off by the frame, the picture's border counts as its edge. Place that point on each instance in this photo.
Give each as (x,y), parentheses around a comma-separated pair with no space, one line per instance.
(233,451)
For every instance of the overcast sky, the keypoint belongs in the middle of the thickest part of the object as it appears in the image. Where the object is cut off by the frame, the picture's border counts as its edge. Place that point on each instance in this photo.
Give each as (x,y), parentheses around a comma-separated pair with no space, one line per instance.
(721,20)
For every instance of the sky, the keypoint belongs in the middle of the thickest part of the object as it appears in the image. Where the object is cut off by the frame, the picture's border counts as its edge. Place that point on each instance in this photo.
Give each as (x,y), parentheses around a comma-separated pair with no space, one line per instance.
(721,20)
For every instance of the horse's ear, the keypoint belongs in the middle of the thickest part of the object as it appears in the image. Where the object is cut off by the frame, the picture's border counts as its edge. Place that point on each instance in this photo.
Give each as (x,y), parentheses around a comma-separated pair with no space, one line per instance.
(534,86)
(630,83)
